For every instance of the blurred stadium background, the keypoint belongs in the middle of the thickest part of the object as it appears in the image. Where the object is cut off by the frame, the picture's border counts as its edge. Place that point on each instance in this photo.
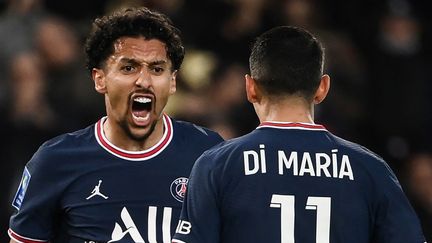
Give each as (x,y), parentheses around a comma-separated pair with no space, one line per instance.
(378,56)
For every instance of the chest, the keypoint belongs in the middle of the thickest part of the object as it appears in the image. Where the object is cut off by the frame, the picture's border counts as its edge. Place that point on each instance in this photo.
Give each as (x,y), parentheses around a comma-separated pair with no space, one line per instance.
(108,197)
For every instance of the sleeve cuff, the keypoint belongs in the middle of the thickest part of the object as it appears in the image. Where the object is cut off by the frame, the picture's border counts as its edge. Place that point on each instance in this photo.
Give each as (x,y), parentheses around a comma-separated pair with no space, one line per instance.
(21,239)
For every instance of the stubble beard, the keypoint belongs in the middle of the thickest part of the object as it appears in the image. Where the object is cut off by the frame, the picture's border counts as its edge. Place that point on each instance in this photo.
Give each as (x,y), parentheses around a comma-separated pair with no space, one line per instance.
(135,137)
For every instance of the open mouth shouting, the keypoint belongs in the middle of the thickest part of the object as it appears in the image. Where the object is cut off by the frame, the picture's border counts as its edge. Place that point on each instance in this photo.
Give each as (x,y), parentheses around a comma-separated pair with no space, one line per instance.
(142,107)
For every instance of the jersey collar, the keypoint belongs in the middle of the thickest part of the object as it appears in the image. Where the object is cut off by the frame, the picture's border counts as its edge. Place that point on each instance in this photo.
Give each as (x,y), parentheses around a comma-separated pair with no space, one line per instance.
(135,155)
(292,125)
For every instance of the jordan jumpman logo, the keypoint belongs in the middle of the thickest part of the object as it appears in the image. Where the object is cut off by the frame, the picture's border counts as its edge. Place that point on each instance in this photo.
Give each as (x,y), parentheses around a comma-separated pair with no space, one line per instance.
(96,192)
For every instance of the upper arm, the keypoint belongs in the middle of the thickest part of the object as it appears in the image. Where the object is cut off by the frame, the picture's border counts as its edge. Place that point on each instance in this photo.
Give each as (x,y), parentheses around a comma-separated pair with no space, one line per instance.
(200,219)
(396,219)
(36,201)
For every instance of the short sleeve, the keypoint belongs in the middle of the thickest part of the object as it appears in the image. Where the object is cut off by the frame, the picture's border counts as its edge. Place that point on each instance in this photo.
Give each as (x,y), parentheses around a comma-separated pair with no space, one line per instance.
(36,201)
(200,219)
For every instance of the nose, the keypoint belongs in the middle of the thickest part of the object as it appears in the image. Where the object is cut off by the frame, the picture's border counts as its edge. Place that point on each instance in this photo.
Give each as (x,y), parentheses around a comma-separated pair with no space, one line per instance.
(143,79)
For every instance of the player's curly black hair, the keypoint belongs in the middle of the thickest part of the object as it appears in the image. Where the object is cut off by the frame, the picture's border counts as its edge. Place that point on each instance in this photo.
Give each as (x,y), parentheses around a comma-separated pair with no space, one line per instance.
(132,22)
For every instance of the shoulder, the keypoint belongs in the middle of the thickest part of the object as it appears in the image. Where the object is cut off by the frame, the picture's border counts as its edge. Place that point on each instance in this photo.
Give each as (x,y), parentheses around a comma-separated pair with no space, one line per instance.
(190,131)
(364,157)
(68,140)
(52,151)
(227,151)
(236,145)
(354,149)
(223,162)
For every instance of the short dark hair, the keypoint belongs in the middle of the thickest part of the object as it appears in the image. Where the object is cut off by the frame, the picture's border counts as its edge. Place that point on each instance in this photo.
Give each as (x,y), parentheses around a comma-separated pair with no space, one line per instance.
(132,22)
(287,60)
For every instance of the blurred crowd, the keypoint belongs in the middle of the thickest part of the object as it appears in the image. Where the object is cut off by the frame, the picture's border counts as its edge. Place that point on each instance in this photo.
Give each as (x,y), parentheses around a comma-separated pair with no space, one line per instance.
(378,57)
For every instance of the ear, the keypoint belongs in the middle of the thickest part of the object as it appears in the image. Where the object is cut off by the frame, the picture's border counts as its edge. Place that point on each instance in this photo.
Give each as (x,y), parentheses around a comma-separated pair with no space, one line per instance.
(252,91)
(322,90)
(173,83)
(98,76)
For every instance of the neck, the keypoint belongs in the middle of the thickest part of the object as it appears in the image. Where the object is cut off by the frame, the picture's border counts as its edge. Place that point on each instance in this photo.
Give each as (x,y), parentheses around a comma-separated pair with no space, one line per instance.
(285,110)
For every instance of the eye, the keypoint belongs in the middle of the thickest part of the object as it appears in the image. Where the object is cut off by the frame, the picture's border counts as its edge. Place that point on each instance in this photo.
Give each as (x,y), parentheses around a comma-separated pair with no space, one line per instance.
(157,70)
(127,68)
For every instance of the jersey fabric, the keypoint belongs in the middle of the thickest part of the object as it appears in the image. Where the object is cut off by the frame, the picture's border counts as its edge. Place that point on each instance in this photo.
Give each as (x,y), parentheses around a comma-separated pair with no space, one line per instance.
(79,187)
(294,183)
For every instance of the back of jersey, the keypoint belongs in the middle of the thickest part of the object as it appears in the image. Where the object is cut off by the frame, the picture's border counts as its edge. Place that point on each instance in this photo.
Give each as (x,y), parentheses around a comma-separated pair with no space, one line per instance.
(291,182)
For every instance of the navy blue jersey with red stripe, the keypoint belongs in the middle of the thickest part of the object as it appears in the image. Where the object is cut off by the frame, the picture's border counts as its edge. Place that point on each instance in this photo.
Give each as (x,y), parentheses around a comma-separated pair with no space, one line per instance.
(294,183)
(79,187)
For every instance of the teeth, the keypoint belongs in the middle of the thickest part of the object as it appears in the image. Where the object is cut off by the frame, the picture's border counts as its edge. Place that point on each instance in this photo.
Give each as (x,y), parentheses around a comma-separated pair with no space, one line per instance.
(142,100)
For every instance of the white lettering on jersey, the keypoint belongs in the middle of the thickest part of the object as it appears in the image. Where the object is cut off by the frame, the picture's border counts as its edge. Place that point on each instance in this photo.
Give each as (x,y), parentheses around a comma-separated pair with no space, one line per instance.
(300,163)
(118,233)
(258,161)
(319,164)
(184,227)
(131,229)
(306,165)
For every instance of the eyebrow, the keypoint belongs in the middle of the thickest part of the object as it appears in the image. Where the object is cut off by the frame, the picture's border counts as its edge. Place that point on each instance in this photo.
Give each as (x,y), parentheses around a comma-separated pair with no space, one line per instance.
(134,61)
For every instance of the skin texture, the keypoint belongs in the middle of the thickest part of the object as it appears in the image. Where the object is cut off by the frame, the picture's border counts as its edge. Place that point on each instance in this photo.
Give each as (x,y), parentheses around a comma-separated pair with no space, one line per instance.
(137,68)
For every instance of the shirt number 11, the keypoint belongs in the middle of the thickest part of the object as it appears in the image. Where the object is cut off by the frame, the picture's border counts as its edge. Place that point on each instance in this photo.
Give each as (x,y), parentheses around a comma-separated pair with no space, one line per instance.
(322,205)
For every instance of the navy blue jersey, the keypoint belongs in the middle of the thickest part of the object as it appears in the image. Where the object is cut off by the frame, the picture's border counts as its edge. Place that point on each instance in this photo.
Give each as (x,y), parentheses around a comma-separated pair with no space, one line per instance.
(79,187)
(294,183)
